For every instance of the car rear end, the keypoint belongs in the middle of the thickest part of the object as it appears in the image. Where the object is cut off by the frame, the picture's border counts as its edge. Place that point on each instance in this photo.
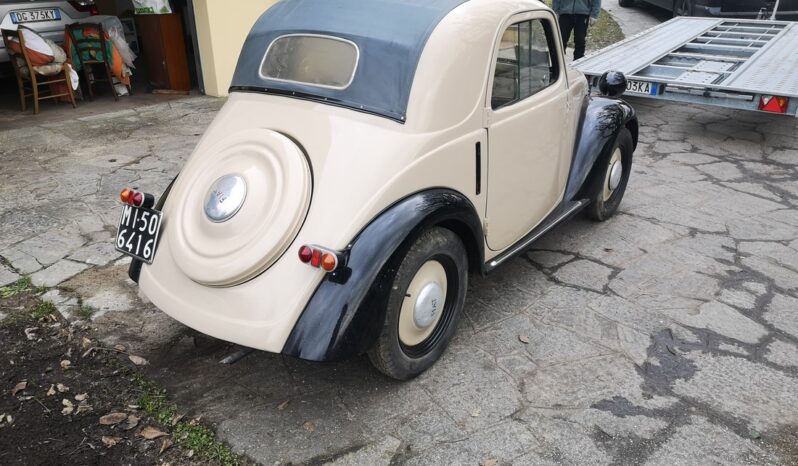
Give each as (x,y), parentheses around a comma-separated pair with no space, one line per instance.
(46,17)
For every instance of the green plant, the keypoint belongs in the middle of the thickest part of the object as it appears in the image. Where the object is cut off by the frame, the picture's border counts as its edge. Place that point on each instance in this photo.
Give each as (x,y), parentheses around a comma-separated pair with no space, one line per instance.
(188,435)
(85,312)
(22,285)
(43,309)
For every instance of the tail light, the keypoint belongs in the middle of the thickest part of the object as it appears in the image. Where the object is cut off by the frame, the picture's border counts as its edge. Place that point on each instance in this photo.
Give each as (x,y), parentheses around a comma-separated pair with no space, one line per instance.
(136,198)
(84,6)
(773,104)
(320,258)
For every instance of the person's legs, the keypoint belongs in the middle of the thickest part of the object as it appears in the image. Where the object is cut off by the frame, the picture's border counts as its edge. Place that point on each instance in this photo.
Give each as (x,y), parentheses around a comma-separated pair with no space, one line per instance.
(566,25)
(580,35)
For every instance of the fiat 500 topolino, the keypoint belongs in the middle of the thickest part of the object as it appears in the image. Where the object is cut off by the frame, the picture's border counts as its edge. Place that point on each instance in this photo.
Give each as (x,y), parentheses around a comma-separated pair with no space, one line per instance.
(370,156)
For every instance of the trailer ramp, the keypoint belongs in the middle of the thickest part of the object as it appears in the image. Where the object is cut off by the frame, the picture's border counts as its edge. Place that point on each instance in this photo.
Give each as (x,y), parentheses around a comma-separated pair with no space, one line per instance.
(745,64)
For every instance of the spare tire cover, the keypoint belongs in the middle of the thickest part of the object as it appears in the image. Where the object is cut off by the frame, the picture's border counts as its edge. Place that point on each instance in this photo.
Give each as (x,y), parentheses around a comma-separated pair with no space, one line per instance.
(278,186)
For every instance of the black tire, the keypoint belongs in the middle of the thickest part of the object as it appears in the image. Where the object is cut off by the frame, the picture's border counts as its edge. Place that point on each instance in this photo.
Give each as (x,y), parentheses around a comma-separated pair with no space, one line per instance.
(601,209)
(626,3)
(389,355)
(682,8)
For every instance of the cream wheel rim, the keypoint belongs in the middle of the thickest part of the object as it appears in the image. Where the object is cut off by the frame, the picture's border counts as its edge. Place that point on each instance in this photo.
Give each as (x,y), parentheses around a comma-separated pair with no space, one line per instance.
(423,304)
(614,174)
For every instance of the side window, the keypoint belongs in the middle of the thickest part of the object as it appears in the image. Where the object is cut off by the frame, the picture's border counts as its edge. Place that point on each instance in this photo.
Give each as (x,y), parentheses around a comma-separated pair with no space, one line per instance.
(526,63)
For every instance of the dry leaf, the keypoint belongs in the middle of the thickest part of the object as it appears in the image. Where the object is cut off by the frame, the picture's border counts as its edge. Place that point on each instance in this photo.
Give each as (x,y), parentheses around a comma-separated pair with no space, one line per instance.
(476,412)
(51,391)
(81,397)
(309,426)
(133,407)
(490,462)
(30,333)
(176,418)
(167,443)
(120,348)
(283,405)
(2,418)
(190,454)
(85,343)
(61,388)
(68,407)
(151,433)
(65,364)
(18,388)
(9,419)
(523,339)
(132,421)
(83,407)
(110,441)
(138,360)
(112,418)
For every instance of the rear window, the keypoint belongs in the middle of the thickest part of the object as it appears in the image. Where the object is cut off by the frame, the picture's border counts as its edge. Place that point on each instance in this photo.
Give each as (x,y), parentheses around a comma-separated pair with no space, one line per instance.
(322,61)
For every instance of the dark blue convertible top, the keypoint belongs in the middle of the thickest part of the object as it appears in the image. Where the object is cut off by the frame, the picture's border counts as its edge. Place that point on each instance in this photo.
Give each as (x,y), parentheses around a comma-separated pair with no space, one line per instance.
(390,34)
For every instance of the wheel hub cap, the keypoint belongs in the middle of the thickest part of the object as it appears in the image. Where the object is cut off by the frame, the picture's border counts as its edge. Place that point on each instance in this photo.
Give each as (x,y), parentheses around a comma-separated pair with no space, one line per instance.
(428,305)
(225,198)
(615,174)
(424,303)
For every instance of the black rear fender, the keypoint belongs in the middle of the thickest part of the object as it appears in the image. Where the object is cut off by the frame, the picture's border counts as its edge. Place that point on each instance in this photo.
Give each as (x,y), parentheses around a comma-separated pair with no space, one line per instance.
(346,312)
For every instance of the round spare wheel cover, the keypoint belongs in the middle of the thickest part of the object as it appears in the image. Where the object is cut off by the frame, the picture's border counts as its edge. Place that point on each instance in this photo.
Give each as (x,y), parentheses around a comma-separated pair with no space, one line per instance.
(278,190)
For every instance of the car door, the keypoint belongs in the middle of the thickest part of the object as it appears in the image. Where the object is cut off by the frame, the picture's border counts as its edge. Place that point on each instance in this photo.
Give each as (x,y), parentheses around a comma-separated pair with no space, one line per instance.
(526,115)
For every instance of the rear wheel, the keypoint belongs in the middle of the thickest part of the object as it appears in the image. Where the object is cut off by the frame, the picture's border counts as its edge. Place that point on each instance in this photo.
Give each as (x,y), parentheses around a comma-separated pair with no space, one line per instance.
(424,305)
(609,183)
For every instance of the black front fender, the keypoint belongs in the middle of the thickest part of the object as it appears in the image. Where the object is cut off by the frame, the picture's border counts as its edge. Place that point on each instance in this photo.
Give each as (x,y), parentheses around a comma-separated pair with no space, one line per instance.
(344,319)
(601,120)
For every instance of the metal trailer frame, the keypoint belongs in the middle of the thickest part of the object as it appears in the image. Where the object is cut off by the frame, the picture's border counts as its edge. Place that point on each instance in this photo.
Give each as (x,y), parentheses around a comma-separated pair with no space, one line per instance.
(723,62)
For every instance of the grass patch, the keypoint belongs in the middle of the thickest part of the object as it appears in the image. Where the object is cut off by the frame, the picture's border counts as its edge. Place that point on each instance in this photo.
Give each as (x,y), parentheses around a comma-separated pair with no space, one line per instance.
(21,286)
(605,32)
(188,435)
(43,309)
(85,312)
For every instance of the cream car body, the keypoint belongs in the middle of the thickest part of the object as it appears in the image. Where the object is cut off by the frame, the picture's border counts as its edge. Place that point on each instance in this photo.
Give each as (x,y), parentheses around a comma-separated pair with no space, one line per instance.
(318,172)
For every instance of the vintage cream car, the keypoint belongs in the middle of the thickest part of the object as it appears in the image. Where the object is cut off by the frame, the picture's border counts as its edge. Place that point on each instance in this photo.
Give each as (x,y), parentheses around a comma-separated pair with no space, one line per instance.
(371,156)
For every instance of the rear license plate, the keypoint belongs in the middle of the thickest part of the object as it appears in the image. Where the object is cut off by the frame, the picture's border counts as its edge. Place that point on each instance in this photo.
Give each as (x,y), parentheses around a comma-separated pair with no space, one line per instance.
(641,87)
(137,235)
(35,16)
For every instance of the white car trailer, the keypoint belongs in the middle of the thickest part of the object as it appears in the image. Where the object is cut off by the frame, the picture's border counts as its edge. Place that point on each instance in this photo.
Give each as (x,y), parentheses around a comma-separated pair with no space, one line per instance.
(744,64)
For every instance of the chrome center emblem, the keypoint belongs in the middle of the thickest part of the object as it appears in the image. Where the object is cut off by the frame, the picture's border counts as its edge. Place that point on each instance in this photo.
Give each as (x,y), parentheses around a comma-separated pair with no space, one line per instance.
(225,198)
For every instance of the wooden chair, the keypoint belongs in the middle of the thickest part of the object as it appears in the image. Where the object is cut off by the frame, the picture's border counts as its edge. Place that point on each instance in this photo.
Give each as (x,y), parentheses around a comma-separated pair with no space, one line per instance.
(33,77)
(90,45)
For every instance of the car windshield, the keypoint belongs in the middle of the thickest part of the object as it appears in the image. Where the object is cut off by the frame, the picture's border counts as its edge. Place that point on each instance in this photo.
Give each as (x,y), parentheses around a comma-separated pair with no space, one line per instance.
(311,59)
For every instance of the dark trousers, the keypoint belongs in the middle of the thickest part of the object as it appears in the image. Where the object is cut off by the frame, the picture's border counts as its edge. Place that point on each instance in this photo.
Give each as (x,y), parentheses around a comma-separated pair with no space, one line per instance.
(577,23)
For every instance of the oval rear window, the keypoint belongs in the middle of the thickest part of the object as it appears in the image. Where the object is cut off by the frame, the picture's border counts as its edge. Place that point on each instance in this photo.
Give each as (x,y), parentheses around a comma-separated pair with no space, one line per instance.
(310,59)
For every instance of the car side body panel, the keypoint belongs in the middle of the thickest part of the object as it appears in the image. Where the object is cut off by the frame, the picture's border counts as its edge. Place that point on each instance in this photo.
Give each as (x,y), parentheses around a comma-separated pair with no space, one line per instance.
(346,312)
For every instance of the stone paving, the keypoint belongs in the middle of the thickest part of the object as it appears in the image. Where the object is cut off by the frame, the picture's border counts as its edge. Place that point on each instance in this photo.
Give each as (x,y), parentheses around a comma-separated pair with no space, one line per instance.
(667,335)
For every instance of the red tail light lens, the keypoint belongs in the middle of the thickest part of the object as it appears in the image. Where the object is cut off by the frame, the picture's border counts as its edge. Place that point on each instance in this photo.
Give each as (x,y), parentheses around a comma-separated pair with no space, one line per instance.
(318,257)
(315,259)
(305,254)
(773,104)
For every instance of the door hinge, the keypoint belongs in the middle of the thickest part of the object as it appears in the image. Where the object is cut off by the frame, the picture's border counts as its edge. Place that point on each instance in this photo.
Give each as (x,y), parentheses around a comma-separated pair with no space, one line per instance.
(485,227)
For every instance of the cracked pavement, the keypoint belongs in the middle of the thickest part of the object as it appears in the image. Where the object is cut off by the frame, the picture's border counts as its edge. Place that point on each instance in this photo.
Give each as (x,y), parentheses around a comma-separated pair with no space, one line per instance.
(667,335)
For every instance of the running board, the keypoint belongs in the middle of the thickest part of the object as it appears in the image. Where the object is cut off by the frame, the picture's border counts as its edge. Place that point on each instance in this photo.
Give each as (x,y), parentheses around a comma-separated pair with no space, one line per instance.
(560,214)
